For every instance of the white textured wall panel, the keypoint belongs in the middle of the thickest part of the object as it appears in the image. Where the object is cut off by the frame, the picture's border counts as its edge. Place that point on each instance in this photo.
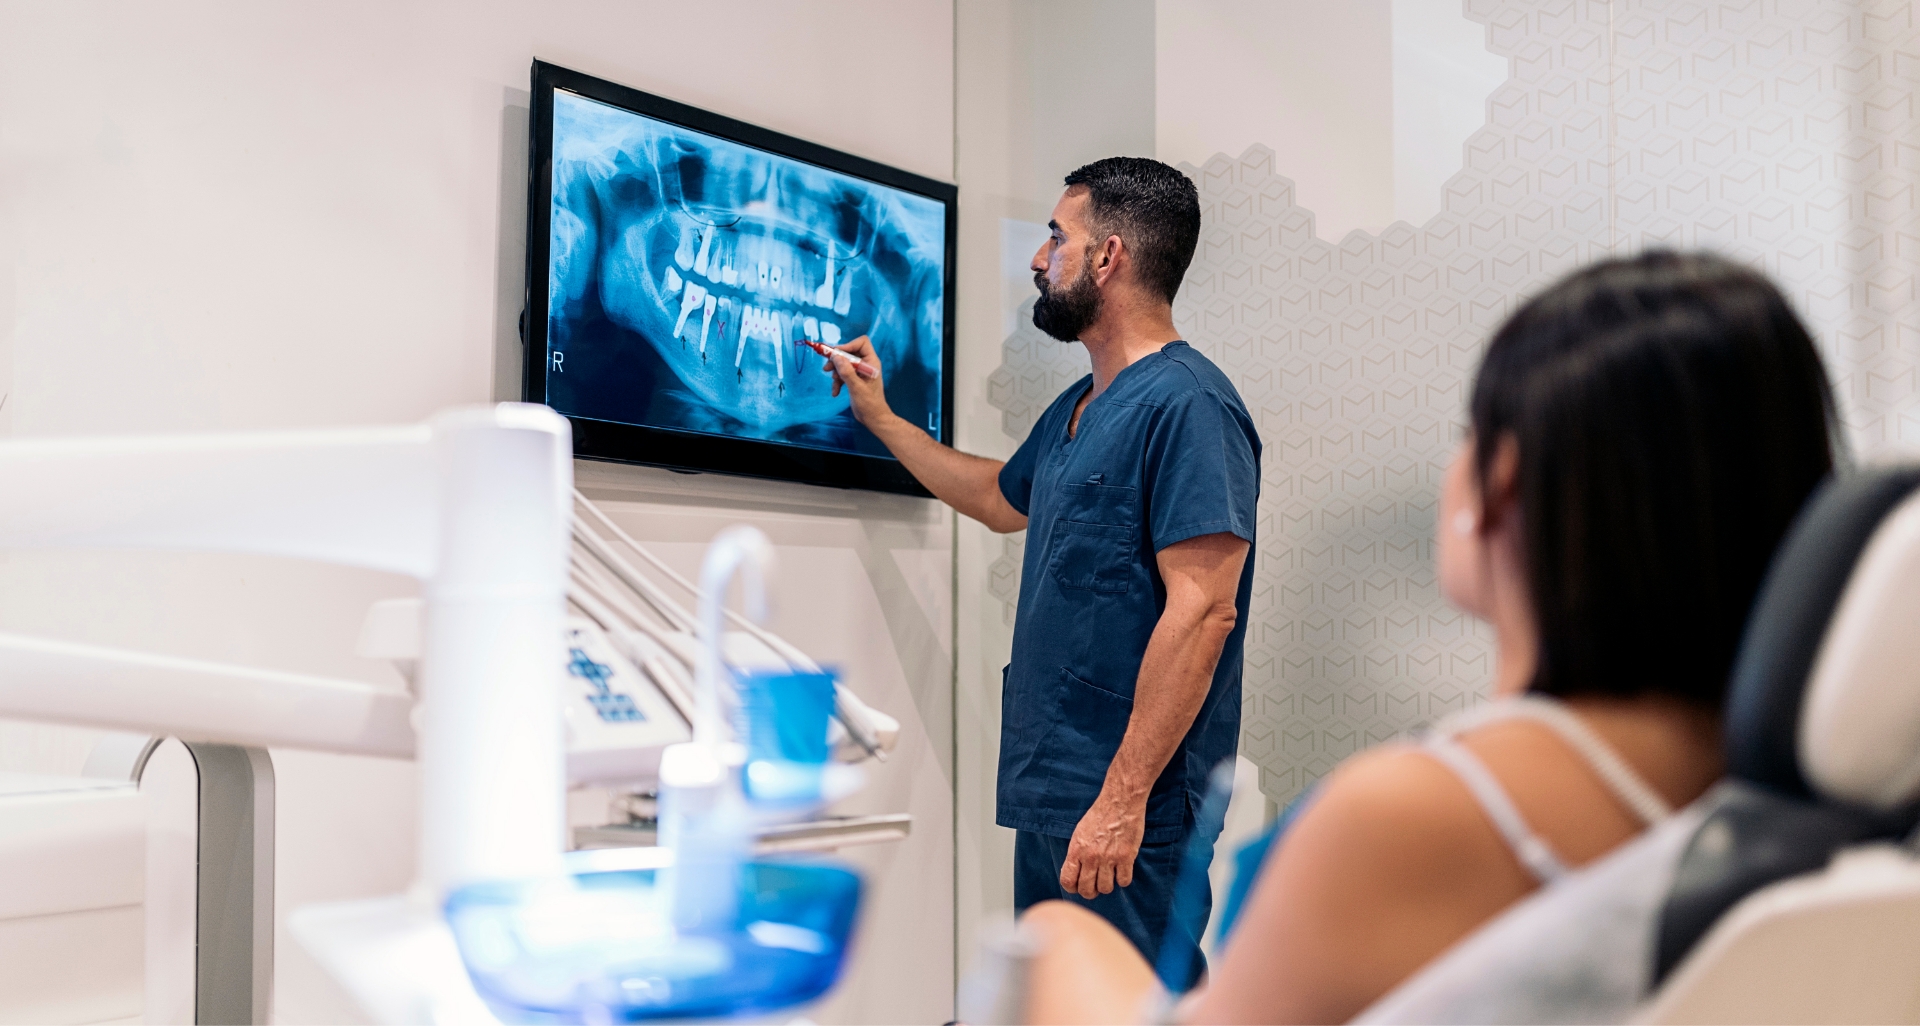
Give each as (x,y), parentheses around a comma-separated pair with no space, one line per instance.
(1781,133)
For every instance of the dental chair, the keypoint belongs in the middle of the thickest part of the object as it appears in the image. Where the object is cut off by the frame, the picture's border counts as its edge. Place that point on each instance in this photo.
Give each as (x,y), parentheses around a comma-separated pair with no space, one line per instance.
(1801,903)
(1790,892)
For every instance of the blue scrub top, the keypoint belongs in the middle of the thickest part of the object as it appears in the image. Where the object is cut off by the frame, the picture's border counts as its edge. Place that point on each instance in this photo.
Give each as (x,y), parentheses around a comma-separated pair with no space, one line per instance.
(1166,453)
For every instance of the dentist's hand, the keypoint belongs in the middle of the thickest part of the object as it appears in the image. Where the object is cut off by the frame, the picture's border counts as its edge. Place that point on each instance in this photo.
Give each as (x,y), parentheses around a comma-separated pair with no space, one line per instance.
(970,484)
(869,394)
(1100,856)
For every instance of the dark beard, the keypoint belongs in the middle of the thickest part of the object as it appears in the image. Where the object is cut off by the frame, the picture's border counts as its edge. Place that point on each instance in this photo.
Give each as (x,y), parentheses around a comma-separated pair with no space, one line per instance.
(1069,310)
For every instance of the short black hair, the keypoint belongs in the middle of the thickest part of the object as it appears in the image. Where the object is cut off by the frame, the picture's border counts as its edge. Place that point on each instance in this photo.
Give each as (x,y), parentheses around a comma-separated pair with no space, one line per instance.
(1153,208)
(1672,416)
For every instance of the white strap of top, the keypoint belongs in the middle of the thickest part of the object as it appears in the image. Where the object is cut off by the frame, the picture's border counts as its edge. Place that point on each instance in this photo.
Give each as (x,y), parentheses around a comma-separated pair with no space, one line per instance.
(1530,848)
(1619,778)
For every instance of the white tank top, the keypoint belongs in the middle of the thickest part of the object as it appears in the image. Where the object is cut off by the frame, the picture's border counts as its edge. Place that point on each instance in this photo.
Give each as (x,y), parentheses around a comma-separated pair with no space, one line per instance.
(1529,847)
(1578,951)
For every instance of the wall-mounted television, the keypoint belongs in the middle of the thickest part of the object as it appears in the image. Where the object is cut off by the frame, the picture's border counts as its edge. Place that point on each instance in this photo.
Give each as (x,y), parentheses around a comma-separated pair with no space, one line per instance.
(678,262)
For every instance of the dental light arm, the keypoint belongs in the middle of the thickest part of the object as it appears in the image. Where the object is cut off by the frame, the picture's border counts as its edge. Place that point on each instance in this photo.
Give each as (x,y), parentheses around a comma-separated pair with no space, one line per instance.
(361,497)
(474,504)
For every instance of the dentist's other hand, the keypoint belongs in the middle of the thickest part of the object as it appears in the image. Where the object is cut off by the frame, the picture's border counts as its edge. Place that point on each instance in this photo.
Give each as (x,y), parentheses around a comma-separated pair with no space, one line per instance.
(1100,856)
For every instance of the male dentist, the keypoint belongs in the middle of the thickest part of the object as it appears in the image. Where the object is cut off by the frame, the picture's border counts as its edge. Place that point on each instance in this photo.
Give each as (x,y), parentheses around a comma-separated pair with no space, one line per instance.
(1137,488)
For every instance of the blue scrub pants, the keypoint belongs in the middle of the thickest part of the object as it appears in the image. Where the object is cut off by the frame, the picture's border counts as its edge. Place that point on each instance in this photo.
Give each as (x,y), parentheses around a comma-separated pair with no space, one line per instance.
(1141,910)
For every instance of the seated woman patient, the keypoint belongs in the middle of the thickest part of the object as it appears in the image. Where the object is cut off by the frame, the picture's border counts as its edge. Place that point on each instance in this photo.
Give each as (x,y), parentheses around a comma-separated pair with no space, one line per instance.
(1642,435)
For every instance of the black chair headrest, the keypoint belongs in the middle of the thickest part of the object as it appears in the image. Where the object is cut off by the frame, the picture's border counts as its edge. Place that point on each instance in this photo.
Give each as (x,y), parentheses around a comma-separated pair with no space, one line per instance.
(1791,617)
(1823,710)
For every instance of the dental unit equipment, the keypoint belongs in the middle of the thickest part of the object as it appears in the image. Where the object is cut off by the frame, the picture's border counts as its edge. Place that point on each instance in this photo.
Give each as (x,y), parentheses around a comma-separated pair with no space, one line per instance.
(701,930)
(858,731)
(633,656)
(478,505)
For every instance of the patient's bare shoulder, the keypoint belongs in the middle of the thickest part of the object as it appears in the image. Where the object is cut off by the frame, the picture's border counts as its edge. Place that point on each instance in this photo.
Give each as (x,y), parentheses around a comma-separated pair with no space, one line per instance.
(1397,821)
(1394,778)
(1391,863)
(1410,827)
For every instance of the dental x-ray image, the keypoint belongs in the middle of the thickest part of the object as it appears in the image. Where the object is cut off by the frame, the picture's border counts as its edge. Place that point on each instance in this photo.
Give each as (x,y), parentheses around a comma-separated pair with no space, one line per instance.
(687,272)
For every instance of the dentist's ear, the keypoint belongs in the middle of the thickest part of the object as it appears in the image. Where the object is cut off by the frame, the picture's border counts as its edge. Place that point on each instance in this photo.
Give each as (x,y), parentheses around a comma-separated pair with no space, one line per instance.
(1109,261)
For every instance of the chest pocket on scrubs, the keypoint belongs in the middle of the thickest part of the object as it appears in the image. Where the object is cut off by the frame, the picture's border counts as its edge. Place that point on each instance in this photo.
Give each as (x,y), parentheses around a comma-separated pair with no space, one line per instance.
(1094,538)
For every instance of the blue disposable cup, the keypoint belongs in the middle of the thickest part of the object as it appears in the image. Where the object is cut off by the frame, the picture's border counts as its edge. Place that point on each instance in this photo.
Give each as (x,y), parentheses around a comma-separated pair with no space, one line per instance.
(784,725)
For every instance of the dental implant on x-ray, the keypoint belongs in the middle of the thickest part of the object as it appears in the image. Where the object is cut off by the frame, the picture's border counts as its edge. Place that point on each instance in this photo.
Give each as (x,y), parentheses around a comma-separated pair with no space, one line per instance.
(768,281)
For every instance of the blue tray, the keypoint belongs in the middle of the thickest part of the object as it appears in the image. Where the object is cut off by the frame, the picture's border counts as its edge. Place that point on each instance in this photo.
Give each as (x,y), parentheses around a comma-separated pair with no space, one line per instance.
(598,947)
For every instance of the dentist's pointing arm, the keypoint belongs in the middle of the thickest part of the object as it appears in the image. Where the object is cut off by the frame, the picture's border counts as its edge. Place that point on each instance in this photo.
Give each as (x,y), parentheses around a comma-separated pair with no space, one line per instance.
(970,484)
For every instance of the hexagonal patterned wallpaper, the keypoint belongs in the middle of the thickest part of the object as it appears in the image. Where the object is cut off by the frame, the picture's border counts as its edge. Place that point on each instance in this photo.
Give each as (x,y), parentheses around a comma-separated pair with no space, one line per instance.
(1779,132)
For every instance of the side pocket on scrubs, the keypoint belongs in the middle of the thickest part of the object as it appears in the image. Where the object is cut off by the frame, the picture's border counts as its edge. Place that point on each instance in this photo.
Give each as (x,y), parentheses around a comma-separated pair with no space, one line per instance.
(1076,751)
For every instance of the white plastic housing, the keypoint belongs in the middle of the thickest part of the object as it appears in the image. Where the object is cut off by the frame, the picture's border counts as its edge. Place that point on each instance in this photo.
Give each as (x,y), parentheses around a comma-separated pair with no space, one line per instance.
(476,503)
(492,776)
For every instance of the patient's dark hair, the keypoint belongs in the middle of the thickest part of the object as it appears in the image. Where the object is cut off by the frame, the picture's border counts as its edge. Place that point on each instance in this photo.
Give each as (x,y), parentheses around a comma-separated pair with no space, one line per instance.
(1672,416)
(1152,207)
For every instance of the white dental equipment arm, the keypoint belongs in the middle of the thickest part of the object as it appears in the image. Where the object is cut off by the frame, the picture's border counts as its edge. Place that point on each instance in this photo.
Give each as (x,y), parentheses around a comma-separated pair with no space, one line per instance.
(197,700)
(360,496)
(492,762)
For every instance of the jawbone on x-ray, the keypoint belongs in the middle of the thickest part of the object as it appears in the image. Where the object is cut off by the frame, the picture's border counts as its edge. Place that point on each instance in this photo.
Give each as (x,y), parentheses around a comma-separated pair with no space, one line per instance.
(687,272)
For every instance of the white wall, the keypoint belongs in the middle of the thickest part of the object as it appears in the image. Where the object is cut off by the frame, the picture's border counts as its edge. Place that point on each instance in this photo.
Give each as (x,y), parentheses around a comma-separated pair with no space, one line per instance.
(1442,77)
(1368,102)
(1311,79)
(220,215)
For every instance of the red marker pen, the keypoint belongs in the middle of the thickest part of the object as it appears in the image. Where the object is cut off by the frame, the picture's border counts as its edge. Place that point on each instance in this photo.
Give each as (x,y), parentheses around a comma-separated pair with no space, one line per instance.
(861,367)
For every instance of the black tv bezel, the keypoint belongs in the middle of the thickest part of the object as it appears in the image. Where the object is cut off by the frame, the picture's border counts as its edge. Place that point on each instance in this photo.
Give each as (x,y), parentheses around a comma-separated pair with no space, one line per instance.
(617,442)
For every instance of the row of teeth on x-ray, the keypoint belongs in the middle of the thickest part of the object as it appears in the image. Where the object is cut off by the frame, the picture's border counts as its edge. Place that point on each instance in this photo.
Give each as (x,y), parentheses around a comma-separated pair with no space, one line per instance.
(748,268)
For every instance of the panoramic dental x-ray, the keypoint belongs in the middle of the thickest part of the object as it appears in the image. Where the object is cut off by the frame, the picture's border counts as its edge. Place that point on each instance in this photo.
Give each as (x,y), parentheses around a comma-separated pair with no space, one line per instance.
(690,272)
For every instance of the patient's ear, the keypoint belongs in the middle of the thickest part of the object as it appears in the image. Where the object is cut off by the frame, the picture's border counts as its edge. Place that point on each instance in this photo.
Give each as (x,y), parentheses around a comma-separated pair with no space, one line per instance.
(1500,490)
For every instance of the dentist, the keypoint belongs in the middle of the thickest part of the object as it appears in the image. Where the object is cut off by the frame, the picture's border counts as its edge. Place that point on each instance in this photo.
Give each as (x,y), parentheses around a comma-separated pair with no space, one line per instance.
(1137,489)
